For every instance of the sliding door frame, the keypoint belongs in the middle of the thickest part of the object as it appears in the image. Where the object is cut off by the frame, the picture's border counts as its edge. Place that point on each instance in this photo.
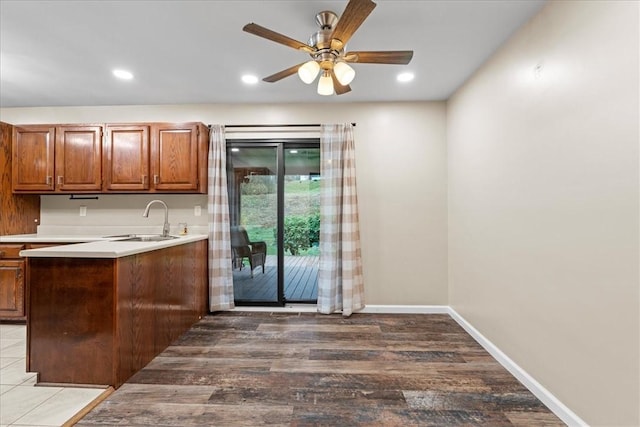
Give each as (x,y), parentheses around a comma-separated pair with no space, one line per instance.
(280,144)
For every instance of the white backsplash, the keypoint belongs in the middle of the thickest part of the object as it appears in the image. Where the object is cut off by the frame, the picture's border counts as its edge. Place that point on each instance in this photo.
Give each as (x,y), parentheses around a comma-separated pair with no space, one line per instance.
(120,214)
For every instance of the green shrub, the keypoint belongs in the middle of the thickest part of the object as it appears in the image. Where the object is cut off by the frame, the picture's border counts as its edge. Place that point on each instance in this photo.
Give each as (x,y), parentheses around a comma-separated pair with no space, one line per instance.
(296,234)
(301,232)
(314,229)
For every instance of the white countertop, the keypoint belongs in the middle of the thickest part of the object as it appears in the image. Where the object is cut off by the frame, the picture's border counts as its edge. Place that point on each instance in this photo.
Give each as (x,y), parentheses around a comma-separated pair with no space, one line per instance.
(60,238)
(94,247)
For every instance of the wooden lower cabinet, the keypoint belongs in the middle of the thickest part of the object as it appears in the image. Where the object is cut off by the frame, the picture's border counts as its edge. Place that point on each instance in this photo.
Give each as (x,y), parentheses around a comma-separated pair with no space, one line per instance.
(13,280)
(12,290)
(99,321)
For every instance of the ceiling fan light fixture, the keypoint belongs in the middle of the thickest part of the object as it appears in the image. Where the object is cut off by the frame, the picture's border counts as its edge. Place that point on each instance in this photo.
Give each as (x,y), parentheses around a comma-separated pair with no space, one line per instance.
(308,71)
(325,84)
(344,73)
(327,49)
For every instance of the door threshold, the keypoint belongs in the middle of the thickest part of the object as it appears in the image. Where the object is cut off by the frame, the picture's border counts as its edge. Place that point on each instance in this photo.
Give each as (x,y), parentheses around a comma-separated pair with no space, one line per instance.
(288,308)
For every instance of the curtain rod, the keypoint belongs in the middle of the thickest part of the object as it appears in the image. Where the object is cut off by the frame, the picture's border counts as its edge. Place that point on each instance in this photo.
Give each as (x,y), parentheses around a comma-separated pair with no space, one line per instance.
(277,126)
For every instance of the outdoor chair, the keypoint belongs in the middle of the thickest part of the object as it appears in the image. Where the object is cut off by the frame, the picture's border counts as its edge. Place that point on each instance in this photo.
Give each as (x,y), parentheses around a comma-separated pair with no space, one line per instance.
(243,248)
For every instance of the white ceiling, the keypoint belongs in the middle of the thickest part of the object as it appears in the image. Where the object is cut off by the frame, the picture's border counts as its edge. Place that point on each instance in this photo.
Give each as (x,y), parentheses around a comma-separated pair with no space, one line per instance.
(61,53)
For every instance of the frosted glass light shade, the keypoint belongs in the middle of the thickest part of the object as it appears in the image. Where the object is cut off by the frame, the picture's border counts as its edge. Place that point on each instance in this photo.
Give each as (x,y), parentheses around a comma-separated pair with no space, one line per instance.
(325,84)
(344,73)
(308,71)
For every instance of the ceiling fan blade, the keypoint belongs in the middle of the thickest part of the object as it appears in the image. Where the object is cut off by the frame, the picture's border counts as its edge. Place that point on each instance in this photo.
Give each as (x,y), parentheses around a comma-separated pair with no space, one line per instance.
(353,16)
(337,87)
(282,74)
(268,34)
(380,57)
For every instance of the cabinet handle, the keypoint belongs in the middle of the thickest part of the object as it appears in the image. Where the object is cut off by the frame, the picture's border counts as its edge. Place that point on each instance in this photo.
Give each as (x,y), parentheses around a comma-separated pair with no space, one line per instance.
(60,179)
(49,178)
(144,179)
(156,179)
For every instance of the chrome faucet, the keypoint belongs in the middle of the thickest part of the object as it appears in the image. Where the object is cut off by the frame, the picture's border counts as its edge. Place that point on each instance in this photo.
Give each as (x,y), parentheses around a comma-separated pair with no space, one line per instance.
(165,226)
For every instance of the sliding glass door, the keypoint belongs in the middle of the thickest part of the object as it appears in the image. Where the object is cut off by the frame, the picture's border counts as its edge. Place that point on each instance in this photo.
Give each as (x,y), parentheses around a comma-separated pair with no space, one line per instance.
(274,198)
(301,212)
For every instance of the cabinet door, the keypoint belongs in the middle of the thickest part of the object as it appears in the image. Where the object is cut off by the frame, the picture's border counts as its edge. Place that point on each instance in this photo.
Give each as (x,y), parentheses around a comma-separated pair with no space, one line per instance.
(12,289)
(175,157)
(126,158)
(78,162)
(19,213)
(32,158)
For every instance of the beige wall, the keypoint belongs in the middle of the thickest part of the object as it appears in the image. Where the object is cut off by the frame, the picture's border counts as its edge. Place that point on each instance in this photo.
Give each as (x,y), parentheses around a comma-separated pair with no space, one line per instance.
(543,192)
(401,171)
(543,205)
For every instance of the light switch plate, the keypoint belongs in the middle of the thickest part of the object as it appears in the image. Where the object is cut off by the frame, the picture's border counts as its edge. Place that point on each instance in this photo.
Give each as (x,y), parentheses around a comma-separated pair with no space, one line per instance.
(197,211)
(83,211)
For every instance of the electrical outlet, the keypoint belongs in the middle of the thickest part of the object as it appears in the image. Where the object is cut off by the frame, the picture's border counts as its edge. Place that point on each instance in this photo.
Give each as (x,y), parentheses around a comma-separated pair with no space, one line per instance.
(197,211)
(83,211)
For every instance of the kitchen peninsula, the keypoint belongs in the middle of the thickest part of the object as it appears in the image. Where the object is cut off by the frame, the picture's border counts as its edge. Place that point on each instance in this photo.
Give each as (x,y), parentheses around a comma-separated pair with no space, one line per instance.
(98,312)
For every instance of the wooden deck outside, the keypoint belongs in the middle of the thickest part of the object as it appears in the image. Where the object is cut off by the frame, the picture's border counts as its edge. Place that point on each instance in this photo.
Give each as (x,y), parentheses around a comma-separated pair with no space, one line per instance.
(300,280)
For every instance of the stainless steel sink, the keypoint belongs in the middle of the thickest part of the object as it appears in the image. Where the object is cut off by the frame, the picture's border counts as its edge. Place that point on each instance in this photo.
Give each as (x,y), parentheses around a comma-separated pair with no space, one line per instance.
(147,238)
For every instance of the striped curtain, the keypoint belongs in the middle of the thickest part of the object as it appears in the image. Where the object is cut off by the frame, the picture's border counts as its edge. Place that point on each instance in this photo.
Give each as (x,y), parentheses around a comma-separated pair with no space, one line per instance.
(220,271)
(340,281)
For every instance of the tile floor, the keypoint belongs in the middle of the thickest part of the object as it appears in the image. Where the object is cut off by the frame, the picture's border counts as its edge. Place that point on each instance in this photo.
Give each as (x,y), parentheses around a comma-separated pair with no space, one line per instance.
(24,404)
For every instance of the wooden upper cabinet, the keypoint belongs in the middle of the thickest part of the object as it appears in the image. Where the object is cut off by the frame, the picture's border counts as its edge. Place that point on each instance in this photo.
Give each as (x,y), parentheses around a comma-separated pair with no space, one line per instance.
(19,213)
(78,162)
(155,157)
(111,158)
(175,157)
(126,158)
(33,158)
(57,159)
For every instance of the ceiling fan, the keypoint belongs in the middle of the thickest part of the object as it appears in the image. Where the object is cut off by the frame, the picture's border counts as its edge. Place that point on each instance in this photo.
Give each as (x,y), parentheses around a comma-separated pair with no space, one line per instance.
(327,49)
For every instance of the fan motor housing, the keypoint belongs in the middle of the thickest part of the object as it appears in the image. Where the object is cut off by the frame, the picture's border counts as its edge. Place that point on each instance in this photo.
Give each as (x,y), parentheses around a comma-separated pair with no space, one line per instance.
(322,41)
(326,19)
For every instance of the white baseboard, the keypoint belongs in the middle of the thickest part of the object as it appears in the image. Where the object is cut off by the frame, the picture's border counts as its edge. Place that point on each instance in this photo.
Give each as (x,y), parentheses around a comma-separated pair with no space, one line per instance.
(538,390)
(386,309)
(545,396)
(406,309)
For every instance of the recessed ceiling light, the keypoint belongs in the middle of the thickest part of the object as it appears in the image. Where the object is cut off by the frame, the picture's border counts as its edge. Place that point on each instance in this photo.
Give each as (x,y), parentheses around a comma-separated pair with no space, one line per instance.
(123,74)
(235,150)
(293,151)
(405,77)
(249,79)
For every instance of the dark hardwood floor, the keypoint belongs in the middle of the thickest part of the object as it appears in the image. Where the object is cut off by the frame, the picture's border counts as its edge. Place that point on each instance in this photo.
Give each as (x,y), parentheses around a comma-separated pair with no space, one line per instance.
(252,369)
